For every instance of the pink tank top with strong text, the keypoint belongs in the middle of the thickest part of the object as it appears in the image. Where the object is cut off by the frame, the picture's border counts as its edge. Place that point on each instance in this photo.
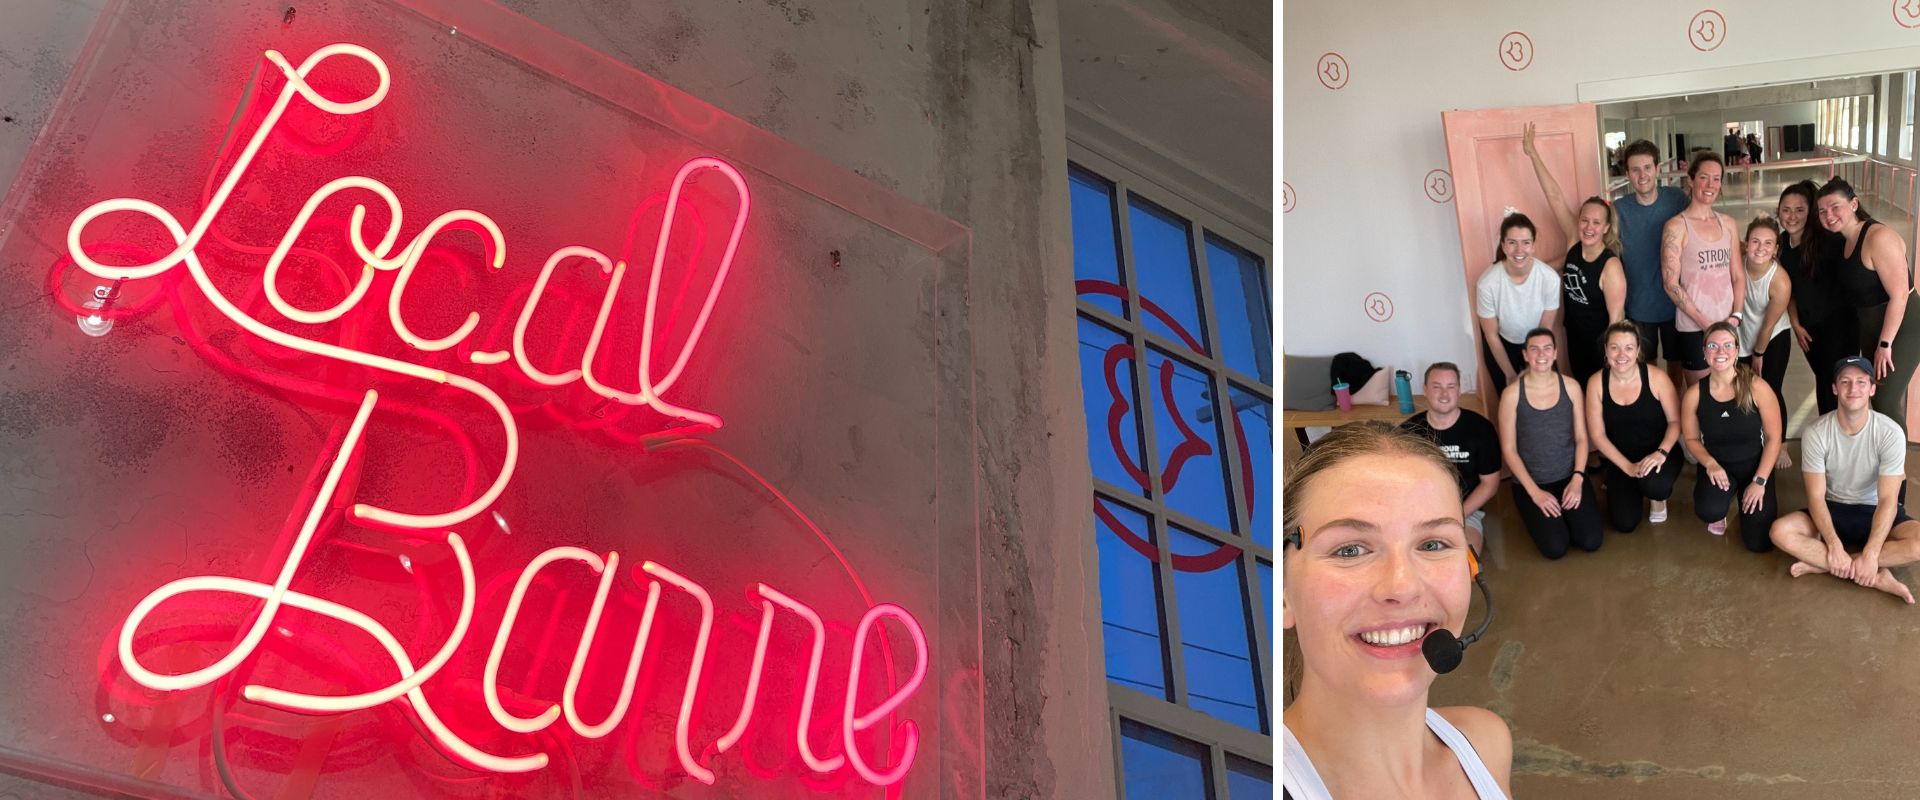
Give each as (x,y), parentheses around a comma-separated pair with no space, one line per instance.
(1705,276)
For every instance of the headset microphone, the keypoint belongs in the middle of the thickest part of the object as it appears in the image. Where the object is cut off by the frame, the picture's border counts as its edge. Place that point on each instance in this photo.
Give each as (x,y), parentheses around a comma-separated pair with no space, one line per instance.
(1442,650)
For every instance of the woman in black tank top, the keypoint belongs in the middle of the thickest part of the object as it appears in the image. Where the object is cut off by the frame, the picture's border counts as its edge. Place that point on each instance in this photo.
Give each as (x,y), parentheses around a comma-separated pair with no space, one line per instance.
(1732,426)
(1593,291)
(1634,438)
(1875,280)
(1823,322)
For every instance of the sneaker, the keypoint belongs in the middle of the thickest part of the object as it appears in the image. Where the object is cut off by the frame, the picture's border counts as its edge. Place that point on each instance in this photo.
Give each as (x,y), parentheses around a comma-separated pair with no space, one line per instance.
(1659,512)
(1717,528)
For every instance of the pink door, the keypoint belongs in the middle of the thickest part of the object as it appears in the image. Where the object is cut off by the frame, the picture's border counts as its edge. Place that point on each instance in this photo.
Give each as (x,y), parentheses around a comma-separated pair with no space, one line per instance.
(1491,173)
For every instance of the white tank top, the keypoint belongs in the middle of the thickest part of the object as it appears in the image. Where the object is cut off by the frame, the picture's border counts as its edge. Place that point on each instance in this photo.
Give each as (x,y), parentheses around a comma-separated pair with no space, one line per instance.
(1300,780)
(1753,311)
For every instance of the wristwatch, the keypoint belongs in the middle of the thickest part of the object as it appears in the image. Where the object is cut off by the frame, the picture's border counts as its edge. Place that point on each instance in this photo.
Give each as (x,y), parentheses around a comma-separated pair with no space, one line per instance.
(1760,481)
(1885,343)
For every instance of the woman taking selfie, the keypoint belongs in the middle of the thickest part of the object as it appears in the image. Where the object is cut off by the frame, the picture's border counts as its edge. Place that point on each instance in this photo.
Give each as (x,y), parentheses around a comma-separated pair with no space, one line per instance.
(1374,559)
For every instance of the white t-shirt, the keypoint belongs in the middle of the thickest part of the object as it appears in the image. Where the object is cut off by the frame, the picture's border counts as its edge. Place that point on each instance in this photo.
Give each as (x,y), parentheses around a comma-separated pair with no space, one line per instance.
(1517,306)
(1853,464)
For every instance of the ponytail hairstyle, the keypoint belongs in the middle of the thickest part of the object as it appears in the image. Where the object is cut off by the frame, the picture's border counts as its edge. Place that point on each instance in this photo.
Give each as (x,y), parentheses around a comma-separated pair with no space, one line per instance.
(1514,219)
(1624,327)
(1742,375)
(1612,237)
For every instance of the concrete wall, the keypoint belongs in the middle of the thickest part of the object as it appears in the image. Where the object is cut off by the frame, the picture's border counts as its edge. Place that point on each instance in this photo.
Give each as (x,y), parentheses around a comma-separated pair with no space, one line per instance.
(1356,157)
(956,106)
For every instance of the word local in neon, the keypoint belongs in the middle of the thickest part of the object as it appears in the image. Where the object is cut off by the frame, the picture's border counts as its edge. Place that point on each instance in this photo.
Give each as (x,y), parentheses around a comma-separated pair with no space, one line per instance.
(403,260)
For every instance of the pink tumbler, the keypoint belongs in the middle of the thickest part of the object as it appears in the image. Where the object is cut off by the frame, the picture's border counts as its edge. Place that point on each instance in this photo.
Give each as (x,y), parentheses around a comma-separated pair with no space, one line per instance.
(1343,397)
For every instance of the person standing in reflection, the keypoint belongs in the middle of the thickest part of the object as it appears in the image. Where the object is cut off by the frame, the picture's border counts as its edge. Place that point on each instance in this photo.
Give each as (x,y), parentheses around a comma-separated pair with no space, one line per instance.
(1375,558)
(1700,263)
(1855,464)
(1543,440)
(1634,419)
(1593,282)
(1732,424)
(1823,324)
(1468,441)
(1874,278)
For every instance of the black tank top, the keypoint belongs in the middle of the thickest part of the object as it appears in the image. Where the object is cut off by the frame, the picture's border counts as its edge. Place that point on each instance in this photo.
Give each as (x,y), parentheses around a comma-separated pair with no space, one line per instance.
(1730,434)
(1813,293)
(1583,305)
(1862,285)
(1637,427)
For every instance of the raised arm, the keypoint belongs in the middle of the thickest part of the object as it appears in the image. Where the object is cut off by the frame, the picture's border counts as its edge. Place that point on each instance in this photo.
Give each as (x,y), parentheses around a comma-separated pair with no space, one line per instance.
(1556,200)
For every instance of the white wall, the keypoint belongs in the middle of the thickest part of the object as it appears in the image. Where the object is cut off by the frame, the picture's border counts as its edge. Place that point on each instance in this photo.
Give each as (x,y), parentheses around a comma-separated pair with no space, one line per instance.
(1355,158)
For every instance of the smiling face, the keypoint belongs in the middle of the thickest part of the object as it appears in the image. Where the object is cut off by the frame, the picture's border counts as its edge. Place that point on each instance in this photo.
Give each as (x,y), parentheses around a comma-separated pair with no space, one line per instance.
(1383,562)
(1723,352)
(1516,246)
(1793,214)
(1643,173)
(1623,351)
(1540,352)
(1593,223)
(1443,391)
(1762,244)
(1704,186)
(1854,389)
(1837,211)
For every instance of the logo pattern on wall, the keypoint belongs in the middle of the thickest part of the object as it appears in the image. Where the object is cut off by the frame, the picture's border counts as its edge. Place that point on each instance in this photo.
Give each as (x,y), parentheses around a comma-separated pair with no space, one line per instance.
(1707,30)
(1379,307)
(1332,71)
(1516,51)
(1438,185)
(1286,197)
(1907,13)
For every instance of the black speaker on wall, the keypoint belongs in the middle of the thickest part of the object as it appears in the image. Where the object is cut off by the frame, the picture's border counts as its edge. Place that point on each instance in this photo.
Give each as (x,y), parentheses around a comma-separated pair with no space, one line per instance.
(1806,136)
(1790,138)
(1680,145)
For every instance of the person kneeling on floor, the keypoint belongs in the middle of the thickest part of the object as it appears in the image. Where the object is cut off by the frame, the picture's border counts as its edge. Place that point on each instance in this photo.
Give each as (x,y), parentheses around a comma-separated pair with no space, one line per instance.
(1855,462)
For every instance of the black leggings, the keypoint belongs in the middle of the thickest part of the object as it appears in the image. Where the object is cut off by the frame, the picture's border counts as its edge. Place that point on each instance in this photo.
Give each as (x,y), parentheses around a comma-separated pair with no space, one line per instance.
(1774,371)
(1891,398)
(1834,338)
(1626,494)
(1712,504)
(1579,527)
(1584,355)
(1496,378)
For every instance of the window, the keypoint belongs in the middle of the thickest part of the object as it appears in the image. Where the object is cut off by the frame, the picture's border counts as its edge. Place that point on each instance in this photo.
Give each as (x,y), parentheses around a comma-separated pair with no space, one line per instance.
(1906,117)
(1176,350)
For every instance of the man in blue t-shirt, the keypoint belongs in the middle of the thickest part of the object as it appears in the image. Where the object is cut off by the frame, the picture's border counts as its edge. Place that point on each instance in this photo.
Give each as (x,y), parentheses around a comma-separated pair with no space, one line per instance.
(1644,212)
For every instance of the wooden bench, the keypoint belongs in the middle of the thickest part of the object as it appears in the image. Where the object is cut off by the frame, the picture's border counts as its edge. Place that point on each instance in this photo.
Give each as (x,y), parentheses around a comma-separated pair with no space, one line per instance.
(1300,421)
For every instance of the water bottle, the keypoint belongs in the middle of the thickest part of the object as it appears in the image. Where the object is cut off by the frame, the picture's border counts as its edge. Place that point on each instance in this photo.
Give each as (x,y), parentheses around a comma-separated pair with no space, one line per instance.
(1403,386)
(1342,397)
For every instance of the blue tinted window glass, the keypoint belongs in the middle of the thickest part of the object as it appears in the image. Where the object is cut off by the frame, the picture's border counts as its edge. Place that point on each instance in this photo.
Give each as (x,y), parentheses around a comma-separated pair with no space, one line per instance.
(1096,251)
(1130,598)
(1265,571)
(1106,390)
(1242,308)
(1215,630)
(1247,780)
(1186,431)
(1163,260)
(1157,765)
(1255,416)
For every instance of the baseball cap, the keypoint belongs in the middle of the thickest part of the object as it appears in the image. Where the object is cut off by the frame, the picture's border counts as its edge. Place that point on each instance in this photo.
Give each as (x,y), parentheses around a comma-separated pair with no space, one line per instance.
(1858,363)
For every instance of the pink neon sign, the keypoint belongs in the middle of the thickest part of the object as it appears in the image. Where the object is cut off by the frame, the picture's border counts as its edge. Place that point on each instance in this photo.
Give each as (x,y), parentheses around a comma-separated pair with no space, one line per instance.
(390,253)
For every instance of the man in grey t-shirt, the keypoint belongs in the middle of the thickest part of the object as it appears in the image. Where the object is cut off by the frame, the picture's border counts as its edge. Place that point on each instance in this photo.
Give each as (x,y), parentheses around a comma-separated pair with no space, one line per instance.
(1855,463)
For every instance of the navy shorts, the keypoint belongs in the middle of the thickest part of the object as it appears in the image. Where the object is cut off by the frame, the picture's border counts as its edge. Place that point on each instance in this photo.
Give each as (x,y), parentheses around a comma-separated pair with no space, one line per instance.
(1692,352)
(1657,338)
(1854,523)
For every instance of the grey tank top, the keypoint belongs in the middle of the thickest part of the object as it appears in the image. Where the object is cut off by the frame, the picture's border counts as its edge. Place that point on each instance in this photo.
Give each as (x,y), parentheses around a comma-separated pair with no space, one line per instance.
(1301,781)
(1545,436)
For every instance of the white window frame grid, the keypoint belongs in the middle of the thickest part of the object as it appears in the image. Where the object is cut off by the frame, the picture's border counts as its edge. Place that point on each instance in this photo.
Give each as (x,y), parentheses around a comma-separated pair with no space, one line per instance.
(1176,717)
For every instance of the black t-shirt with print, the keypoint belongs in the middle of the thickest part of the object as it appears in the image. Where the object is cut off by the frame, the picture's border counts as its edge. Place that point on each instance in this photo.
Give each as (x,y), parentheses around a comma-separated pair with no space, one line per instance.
(1470,444)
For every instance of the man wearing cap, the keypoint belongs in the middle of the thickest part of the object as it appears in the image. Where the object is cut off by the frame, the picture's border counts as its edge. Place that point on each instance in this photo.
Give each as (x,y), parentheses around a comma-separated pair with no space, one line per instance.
(1855,463)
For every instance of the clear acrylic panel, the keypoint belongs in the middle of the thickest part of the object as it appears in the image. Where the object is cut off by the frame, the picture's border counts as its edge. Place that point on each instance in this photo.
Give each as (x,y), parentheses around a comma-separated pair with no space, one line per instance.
(544,308)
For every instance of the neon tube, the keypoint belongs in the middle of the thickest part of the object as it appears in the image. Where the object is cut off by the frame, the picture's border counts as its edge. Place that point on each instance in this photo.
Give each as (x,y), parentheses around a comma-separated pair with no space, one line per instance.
(271,278)
(533,301)
(850,725)
(490,685)
(417,250)
(813,762)
(733,734)
(640,639)
(680,729)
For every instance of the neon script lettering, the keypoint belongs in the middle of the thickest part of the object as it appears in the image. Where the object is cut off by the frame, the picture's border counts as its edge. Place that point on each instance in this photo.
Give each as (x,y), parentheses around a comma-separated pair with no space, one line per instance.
(389,255)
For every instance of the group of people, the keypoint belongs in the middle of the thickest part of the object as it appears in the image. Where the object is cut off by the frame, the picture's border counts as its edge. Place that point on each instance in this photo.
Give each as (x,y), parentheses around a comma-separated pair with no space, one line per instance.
(1381,522)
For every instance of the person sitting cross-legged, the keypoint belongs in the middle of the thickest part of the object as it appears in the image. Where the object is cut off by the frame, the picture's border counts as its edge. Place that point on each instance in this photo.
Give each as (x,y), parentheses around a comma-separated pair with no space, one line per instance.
(1855,463)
